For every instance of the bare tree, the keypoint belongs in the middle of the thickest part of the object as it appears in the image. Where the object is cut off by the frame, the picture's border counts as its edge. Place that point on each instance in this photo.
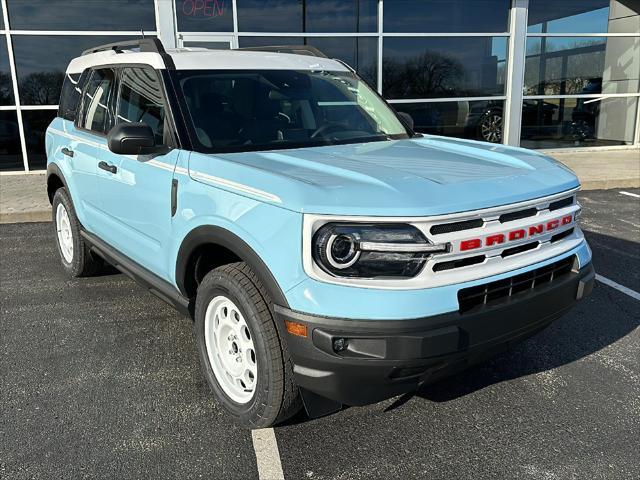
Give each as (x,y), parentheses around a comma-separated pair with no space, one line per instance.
(41,88)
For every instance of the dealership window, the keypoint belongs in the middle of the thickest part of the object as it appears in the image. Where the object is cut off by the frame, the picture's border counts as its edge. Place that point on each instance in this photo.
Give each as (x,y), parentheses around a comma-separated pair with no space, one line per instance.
(361,53)
(132,15)
(40,74)
(35,126)
(476,119)
(204,15)
(6,88)
(446,16)
(578,122)
(585,16)
(575,65)
(582,89)
(341,16)
(443,67)
(10,150)
(312,16)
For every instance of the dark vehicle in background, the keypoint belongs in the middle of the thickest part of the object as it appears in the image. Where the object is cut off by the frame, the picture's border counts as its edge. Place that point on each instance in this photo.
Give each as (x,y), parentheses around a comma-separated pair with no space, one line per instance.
(479,120)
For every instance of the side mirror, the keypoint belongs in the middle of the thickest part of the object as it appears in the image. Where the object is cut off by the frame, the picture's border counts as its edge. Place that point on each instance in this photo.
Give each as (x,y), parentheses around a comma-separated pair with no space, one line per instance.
(130,138)
(406,119)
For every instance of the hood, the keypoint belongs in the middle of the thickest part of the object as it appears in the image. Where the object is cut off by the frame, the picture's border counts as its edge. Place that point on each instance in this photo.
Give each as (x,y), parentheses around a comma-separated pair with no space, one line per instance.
(414,177)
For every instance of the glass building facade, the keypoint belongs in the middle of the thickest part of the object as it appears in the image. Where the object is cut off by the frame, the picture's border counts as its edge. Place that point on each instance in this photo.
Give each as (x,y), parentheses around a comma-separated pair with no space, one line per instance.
(534,73)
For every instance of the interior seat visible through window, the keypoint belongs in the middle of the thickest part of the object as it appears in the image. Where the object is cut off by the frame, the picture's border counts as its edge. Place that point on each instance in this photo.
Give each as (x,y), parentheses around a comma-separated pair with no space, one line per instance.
(96,105)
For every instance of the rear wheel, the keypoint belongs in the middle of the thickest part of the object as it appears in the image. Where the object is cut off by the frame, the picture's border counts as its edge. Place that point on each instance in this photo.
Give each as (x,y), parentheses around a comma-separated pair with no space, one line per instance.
(74,253)
(243,358)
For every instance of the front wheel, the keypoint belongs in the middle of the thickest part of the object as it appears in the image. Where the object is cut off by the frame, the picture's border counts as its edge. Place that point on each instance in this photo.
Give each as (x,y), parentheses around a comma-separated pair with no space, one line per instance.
(244,360)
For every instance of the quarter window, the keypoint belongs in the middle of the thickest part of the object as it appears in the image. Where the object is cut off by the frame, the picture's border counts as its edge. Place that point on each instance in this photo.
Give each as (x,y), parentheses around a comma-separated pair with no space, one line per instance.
(141,101)
(70,96)
(96,111)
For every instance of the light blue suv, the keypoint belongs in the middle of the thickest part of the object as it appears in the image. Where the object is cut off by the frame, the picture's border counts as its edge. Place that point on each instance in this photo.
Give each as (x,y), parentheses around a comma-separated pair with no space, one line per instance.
(327,253)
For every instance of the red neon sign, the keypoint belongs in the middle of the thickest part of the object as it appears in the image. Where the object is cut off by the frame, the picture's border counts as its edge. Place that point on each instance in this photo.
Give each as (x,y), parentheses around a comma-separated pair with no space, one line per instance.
(203,8)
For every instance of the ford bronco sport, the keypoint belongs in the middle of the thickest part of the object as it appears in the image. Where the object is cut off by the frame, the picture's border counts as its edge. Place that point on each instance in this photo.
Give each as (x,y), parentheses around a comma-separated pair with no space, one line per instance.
(328,254)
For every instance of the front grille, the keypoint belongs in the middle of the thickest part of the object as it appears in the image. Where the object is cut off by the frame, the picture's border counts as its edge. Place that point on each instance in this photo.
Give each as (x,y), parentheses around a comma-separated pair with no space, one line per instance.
(499,291)
(519,249)
(561,235)
(558,204)
(510,217)
(456,226)
(462,262)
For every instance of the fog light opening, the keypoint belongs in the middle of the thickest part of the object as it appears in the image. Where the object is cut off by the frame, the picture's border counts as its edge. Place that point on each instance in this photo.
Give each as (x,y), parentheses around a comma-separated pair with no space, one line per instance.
(340,344)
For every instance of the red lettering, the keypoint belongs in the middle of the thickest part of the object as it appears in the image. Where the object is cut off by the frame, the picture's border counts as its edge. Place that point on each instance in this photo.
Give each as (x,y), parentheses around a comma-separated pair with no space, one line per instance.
(185,5)
(517,234)
(493,239)
(553,224)
(535,230)
(566,220)
(208,7)
(470,244)
(219,6)
(203,8)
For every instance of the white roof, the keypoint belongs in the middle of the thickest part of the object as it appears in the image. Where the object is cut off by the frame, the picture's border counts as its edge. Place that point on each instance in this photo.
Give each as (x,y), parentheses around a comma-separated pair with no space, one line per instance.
(204,59)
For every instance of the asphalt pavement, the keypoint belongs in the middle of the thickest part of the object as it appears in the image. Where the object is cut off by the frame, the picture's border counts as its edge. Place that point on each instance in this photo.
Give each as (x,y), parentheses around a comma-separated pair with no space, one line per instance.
(99,379)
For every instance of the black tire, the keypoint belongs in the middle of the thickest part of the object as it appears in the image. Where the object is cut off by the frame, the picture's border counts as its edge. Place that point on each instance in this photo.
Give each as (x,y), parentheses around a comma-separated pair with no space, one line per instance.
(276,397)
(490,127)
(83,263)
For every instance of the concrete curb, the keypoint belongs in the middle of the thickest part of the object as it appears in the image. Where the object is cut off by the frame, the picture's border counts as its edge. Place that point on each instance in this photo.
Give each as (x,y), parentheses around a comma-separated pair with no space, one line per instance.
(26,217)
(611,183)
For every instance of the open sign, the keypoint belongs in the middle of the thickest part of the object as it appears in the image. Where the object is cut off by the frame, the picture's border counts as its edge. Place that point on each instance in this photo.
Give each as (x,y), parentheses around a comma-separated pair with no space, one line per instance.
(203,8)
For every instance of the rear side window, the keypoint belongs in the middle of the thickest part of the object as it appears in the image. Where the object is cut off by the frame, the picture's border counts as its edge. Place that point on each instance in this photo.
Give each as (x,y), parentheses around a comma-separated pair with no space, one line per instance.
(70,95)
(141,101)
(96,112)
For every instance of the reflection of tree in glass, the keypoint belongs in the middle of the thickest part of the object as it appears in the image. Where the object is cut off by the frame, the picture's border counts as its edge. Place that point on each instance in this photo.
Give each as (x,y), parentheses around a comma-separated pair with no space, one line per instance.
(41,88)
(6,96)
(426,75)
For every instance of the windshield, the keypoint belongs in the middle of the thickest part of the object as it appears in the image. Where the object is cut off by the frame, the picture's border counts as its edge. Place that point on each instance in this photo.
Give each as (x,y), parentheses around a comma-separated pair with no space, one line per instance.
(277,109)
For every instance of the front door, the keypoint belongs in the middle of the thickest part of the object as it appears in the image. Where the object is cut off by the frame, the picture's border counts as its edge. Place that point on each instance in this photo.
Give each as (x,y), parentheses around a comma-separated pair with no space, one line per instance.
(213,42)
(135,190)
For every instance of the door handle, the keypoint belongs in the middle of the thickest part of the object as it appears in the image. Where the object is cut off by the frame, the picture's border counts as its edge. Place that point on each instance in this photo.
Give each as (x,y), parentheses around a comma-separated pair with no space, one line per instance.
(68,152)
(107,167)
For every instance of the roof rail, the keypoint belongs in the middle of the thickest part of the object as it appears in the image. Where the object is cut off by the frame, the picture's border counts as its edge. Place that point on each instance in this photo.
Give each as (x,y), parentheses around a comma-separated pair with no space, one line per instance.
(295,49)
(144,44)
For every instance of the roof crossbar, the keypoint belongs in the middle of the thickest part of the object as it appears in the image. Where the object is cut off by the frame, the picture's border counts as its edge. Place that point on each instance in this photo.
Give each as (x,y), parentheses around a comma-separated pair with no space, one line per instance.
(295,49)
(144,44)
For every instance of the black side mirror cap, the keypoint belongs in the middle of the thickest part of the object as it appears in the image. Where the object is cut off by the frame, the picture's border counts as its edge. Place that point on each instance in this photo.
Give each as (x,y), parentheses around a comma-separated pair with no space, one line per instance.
(406,119)
(130,138)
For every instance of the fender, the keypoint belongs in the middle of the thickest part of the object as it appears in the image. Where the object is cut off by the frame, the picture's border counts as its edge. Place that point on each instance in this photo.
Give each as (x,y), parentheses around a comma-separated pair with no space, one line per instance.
(220,236)
(53,169)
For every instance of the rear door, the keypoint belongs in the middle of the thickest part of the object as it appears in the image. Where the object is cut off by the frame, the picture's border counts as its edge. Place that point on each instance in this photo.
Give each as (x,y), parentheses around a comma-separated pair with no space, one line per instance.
(136,191)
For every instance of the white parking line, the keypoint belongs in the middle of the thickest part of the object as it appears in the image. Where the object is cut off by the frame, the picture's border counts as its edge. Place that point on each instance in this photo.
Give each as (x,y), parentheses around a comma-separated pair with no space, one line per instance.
(617,286)
(629,194)
(267,454)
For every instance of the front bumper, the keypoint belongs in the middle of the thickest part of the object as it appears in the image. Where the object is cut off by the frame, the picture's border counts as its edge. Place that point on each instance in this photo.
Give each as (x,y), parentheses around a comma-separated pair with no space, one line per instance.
(384,358)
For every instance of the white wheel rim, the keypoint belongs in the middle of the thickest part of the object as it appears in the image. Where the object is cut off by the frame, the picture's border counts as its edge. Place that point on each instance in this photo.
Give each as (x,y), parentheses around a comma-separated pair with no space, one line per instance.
(65,234)
(230,349)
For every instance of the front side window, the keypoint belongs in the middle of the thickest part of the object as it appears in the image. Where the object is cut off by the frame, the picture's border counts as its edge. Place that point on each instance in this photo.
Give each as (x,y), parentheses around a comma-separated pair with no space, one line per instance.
(96,103)
(141,100)
(277,109)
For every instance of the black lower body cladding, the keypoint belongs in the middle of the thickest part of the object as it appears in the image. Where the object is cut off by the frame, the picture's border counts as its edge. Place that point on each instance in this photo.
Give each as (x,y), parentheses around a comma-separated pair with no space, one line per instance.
(358,362)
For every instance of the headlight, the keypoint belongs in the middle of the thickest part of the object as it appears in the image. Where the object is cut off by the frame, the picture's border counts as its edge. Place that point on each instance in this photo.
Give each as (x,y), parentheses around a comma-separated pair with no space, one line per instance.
(371,251)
